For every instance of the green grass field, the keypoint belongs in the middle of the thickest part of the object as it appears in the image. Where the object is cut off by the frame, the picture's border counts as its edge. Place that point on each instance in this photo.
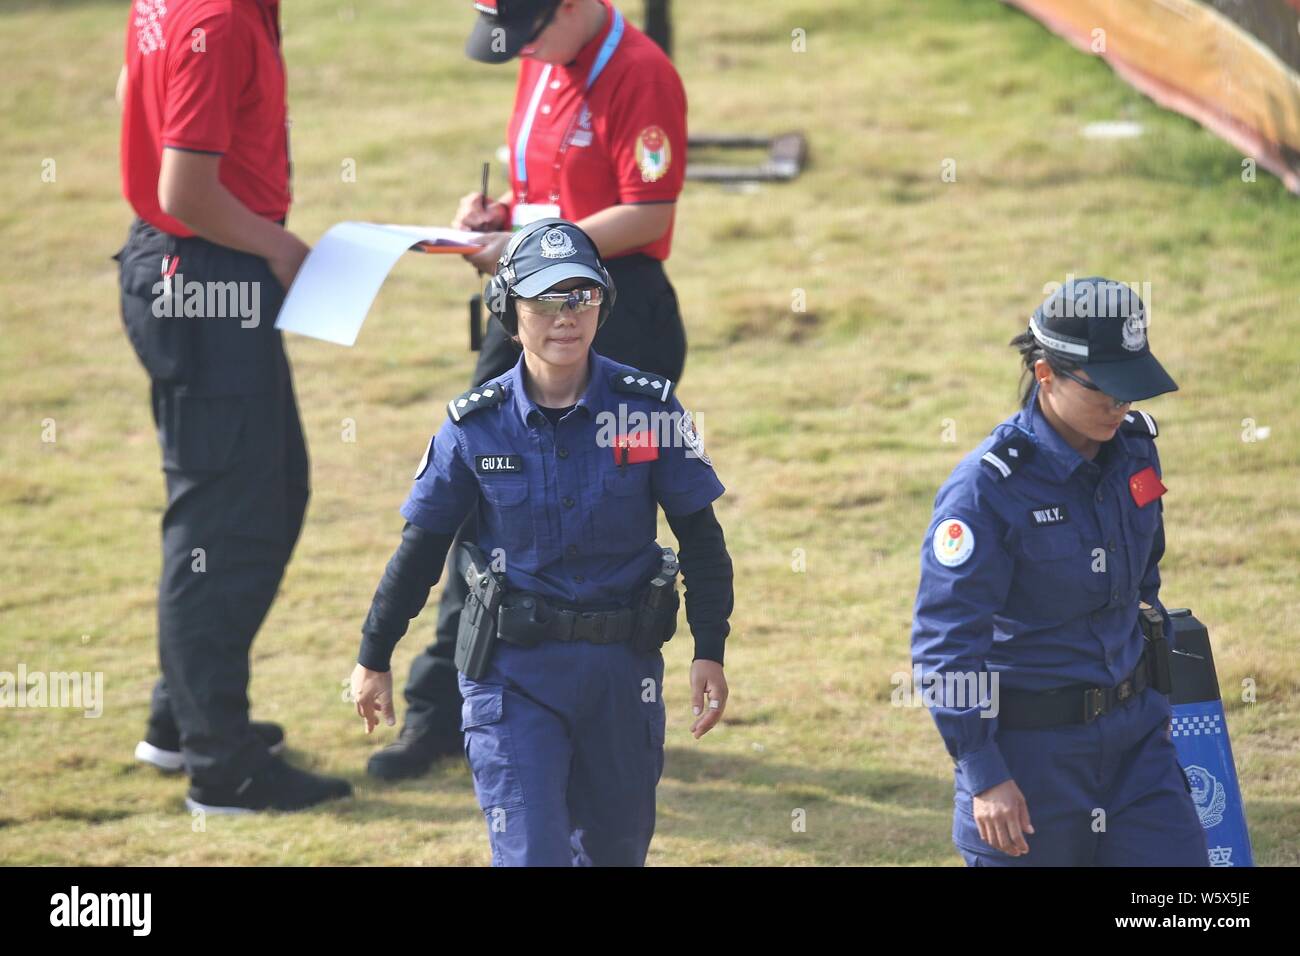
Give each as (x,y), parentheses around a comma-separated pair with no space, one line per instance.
(827,426)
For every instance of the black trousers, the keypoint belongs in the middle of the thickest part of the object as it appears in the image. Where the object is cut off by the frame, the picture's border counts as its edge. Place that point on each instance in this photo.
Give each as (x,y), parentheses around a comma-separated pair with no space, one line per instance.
(644,330)
(236,468)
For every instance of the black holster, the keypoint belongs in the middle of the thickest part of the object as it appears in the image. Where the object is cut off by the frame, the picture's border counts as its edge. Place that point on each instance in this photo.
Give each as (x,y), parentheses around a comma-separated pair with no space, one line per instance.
(656,611)
(525,621)
(478,620)
(1157,649)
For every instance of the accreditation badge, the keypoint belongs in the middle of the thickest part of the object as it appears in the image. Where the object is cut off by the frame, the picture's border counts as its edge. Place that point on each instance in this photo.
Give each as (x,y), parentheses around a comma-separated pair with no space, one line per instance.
(527,213)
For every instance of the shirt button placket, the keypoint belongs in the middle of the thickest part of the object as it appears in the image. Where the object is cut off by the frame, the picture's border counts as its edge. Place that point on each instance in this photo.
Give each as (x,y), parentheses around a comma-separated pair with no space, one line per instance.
(541,446)
(569,513)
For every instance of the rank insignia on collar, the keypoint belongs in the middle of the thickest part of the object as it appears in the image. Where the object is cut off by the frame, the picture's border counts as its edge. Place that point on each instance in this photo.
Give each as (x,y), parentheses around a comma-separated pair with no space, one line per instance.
(642,383)
(484,396)
(1139,423)
(1009,454)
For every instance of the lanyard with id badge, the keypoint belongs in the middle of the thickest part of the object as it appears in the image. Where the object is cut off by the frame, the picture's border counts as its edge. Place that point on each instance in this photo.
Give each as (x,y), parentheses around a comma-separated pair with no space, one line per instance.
(529,212)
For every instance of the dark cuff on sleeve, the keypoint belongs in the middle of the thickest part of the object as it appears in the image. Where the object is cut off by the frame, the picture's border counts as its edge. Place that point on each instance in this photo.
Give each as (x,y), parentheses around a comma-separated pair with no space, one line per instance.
(710,640)
(376,654)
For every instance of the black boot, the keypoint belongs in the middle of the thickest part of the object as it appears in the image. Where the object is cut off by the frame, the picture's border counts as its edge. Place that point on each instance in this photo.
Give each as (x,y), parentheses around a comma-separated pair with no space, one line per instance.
(414,753)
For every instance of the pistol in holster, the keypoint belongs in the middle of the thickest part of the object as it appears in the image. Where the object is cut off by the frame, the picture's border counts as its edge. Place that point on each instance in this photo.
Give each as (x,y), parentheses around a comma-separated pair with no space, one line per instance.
(656,617)
(1157,648)
(477,634)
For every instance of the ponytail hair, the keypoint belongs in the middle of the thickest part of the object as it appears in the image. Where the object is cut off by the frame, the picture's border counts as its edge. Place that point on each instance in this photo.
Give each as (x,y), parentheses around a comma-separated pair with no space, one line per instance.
(1030,352)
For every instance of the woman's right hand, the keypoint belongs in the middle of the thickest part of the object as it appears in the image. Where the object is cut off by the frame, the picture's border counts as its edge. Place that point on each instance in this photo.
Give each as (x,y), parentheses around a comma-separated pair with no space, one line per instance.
(1003,818)
(372,691)
(477,213)
(288,259)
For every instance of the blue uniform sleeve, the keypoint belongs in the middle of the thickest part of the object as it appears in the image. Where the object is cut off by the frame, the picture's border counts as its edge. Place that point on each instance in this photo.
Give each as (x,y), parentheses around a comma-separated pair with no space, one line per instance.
(445,488)
(965,577)
(683,477)
(1149,586)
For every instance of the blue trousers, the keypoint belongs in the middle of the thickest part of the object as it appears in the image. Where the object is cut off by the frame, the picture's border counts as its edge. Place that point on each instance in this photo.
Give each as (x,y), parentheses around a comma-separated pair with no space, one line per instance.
(1108,793)
(566,744)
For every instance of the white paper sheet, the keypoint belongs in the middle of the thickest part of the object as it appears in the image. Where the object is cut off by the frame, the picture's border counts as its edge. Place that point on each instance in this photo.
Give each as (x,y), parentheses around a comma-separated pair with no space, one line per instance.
(341,276)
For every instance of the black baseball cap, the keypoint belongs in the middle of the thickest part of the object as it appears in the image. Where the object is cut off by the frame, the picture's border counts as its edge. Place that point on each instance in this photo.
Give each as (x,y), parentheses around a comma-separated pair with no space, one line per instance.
(504,27)
(550,251)
(1101,326)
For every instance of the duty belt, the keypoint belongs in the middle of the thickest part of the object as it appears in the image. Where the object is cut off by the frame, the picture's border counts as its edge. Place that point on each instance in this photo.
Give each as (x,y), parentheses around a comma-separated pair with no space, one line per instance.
(1035,710)
(564,624)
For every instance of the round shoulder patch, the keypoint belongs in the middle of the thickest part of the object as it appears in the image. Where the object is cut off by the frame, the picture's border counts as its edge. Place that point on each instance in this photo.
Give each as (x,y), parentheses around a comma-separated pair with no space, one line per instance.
(691,435)
(424,462)
(654,154)
(954,542)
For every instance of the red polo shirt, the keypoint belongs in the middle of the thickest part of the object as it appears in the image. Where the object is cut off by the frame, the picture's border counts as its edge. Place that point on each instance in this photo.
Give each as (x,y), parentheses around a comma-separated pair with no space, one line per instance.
(627,146)
(207,76)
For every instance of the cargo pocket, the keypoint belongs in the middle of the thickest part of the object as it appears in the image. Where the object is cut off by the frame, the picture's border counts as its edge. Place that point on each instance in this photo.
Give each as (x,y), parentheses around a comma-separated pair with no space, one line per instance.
(489,749)
(162,340)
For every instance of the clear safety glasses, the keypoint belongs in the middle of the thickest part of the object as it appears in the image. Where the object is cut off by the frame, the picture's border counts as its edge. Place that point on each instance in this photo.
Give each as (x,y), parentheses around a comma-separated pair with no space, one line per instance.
(1113,402)
(553,303)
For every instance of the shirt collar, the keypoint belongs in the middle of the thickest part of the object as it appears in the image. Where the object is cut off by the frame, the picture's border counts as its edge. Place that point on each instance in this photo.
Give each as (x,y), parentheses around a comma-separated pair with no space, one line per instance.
(592,398)
(581,64)
(1061,459)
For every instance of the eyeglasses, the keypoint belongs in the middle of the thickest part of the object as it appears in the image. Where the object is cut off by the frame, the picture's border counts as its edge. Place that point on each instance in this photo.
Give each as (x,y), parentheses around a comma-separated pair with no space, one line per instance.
(1090,386)
(553,303)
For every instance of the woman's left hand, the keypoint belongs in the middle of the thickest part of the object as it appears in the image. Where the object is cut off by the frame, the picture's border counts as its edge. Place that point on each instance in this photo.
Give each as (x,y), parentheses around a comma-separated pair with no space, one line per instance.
(372,691)
(708,695)
(485,260)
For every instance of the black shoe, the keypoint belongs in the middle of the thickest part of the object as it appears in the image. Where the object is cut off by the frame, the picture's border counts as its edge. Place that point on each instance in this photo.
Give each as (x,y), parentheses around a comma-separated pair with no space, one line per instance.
(161,746)
(276,786)
(414,753)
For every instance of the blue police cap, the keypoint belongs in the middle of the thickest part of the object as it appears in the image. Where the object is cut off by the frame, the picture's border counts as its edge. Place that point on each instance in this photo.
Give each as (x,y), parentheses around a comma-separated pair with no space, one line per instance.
(1101,326)
(551,251)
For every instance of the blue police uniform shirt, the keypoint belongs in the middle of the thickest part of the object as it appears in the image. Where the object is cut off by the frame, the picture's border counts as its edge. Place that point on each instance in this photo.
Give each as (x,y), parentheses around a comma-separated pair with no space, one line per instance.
(1032,568)
(571,522)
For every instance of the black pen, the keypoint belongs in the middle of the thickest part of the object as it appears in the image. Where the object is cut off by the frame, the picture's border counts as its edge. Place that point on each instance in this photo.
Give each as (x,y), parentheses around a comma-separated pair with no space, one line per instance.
(485,185)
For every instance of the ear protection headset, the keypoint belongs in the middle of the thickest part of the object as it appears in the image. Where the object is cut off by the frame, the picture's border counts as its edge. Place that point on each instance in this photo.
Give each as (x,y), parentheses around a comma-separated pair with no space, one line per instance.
(499,293)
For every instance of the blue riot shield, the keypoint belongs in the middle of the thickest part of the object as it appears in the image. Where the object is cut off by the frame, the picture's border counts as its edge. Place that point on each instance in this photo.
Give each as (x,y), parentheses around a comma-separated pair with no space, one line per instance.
(1200,735)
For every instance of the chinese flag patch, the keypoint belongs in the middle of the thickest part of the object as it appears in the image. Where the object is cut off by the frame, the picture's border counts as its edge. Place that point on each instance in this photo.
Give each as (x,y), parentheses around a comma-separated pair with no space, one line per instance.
(1146,487)
(635,448)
